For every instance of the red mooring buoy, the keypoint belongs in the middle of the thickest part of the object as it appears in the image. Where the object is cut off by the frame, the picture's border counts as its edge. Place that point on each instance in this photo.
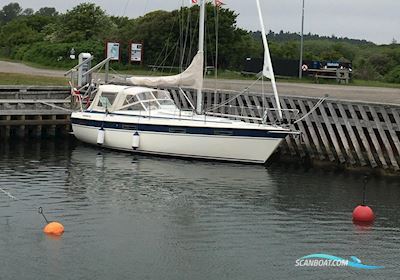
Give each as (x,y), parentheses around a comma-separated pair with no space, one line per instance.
(363,213)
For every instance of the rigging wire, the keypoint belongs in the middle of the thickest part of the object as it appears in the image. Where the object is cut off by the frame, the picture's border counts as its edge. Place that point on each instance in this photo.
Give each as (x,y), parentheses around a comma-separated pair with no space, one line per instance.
(186,36)
(216,15)
(145,7)
(234,97)
(166,46)
(125,8)
(180,36)
(173,61)
(312,109)
(210,42)
(192,41)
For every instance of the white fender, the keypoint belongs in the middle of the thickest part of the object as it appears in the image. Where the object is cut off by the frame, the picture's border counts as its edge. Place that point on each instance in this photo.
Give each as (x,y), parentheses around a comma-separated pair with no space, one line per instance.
(135,140)
(100,136)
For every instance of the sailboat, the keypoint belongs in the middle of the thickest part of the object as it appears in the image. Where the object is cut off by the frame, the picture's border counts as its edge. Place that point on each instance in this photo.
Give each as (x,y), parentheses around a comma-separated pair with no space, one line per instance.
(140,117)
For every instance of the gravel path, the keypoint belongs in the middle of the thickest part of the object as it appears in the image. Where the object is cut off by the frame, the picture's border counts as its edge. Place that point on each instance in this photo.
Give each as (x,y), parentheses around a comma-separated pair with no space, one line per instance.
(344,92)
(19,68)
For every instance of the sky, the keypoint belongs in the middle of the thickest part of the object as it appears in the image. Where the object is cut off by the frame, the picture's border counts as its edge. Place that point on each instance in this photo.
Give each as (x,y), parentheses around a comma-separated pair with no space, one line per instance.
(374,20)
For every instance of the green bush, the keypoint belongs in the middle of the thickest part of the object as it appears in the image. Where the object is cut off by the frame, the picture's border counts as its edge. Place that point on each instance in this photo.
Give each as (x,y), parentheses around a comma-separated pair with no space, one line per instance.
(57,54)
(394,75)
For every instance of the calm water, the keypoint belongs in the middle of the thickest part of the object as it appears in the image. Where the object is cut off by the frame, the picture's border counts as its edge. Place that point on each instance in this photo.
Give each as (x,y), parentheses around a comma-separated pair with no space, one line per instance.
(136,217)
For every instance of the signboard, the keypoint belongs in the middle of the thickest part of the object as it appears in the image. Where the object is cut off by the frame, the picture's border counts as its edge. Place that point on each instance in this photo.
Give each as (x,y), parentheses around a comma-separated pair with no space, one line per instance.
(136,52)
(112,50)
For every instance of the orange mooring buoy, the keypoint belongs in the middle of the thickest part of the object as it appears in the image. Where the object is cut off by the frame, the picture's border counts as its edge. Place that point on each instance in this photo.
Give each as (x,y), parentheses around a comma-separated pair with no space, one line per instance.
(363,213)
(54,228)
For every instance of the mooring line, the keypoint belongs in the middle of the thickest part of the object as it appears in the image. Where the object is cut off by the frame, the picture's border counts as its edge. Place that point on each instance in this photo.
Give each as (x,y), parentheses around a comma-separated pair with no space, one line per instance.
(8,194)
(52,228)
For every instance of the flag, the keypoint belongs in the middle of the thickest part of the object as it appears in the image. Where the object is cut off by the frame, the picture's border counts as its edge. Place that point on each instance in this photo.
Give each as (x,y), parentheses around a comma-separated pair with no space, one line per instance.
(219,3)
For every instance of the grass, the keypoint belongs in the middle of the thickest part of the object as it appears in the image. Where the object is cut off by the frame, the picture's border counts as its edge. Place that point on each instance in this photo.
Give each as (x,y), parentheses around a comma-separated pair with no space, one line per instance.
(374,84)
(23,79)
(19,79)
(33,64)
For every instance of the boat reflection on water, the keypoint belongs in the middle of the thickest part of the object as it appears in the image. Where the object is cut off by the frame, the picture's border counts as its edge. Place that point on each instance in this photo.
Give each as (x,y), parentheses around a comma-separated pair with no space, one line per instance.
(138,176)
(126,163)
(313,195)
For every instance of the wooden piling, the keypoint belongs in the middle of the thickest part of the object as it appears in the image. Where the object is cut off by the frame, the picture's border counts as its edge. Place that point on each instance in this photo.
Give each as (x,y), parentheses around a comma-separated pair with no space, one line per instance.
(31,111)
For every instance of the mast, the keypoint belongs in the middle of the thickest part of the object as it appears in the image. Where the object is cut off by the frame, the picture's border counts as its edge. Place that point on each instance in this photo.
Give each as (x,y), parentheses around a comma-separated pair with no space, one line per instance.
(301,43)
(268,71)
(199,106)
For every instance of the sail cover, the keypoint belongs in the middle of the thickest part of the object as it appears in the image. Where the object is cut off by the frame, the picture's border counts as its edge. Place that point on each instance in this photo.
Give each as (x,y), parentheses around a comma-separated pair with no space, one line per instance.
(192,77)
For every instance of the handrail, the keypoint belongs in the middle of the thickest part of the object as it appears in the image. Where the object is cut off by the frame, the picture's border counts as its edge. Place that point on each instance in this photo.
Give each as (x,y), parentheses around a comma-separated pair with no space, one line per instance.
(99,65)
(79,65)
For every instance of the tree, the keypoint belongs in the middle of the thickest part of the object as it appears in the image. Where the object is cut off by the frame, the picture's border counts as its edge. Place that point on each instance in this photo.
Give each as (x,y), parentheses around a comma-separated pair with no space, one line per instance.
(38,22)
(85,21)
(28,12)
(366,71)
(47,11)
(394,75)
(10,12)
(16,33)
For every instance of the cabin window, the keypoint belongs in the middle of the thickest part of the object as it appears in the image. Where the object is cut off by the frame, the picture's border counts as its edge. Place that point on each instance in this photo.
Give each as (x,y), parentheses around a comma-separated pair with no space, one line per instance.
(151,105)
(223,132)
(129,126)
(166,102)
(131,103)
(143,96)
(130,99)
(161,95)
(177,130)
(106,99)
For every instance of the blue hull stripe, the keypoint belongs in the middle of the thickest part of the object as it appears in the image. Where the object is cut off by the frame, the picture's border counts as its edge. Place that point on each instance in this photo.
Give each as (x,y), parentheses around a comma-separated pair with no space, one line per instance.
(180,129)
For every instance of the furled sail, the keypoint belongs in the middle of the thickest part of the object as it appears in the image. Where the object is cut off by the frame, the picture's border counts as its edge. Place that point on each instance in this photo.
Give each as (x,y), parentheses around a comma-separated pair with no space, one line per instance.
(192,77)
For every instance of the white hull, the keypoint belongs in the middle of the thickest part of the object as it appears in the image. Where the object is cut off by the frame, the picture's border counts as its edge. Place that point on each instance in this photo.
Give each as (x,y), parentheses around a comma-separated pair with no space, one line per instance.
(144,120)
(216,147)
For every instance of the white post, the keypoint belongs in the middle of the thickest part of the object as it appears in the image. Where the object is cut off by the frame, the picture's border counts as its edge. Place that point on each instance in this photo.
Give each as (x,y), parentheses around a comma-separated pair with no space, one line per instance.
(267,69)
(199,107)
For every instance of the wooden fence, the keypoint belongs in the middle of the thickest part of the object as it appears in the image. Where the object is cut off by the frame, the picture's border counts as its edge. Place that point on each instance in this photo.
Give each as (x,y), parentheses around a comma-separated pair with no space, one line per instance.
(353,134)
